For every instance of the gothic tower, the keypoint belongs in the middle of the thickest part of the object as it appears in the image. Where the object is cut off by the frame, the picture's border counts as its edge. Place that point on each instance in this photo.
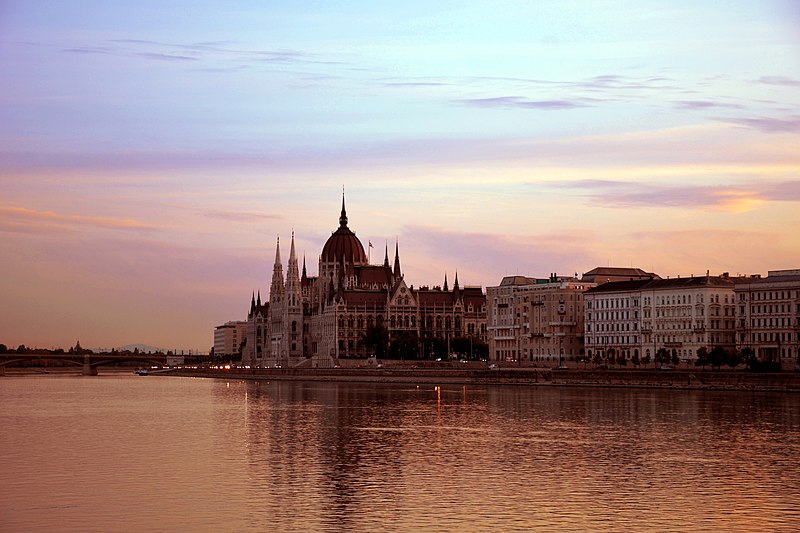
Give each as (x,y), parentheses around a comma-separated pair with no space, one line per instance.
(276,305)
(292,327)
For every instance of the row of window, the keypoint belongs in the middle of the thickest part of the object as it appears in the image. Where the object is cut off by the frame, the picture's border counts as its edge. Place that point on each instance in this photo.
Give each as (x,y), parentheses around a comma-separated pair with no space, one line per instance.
(769,295)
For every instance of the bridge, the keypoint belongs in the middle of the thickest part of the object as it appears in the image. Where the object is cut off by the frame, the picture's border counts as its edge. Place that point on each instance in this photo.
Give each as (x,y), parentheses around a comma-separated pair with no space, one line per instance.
(87,362)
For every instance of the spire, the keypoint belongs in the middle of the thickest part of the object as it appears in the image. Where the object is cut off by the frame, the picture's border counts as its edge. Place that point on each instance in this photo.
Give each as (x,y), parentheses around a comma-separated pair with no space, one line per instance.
(253,303)
(343,216)
(445,282)
(455,283)
(258,301)
(276,289)
(396,272)
(386,257)
(292,277)
(305,276)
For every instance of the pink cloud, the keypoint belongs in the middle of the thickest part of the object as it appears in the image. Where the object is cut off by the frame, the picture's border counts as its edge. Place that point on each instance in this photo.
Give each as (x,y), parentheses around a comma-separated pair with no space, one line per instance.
(24,220)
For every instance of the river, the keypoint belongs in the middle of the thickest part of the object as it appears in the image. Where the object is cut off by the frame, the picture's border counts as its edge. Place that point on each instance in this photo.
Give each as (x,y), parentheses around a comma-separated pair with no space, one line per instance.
(157,453)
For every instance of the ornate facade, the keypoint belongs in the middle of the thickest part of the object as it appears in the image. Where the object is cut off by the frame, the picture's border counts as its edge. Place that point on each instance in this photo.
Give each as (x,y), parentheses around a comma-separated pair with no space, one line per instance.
(313,321)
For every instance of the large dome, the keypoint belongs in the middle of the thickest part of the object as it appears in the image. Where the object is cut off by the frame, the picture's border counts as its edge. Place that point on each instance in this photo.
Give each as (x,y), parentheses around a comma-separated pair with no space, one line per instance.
(343,245)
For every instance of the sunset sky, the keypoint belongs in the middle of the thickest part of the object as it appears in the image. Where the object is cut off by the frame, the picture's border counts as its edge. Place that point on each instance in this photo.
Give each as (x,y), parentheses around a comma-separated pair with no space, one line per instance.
(151,152)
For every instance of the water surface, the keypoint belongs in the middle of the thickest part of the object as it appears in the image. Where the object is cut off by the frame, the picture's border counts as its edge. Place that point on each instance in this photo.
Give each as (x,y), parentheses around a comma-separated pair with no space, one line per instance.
(128,453)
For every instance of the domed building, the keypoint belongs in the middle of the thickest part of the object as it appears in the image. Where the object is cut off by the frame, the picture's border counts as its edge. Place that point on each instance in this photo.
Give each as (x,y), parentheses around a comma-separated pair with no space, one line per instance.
(315,321)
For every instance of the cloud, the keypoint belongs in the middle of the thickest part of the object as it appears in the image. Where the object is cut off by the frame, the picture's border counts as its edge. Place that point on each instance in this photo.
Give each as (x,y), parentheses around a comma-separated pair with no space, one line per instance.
(428,251)
(209,50)
(790,124)
(523,103)
(165,57)
(734,198)
(23,220)
(704,104)
(235,216)
(779,80)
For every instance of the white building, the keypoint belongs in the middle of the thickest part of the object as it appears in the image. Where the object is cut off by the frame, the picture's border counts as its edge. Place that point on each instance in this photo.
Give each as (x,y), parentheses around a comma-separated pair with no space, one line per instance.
(228,337)
(768,316)
(636,318)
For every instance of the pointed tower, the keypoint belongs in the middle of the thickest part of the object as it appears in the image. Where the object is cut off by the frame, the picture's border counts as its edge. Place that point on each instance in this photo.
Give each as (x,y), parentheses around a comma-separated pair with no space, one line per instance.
(386,257)
(445,283)
(276,306)
(292,327)
(292,288)
(455,283)
(276,289)
(397,273)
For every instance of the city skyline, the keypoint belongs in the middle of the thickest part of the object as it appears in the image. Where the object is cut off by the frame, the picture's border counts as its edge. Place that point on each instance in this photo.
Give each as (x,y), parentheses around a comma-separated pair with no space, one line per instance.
(152,153)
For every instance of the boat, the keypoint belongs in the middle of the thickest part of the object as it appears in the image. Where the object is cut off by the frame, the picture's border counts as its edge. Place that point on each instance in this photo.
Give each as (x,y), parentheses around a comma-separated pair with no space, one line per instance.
(141,371)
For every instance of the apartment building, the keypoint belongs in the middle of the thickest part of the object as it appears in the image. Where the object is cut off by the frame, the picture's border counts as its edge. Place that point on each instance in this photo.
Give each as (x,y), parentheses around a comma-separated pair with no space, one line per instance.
(636,318)
(228,337)
(768,316)
(532,320)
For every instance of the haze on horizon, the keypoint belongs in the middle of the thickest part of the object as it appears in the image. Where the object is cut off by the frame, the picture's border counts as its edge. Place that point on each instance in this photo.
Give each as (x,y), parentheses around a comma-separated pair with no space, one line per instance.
(153,151)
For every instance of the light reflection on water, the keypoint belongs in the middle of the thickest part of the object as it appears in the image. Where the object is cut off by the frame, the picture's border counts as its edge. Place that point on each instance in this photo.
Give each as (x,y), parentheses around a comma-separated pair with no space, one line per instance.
(129,453)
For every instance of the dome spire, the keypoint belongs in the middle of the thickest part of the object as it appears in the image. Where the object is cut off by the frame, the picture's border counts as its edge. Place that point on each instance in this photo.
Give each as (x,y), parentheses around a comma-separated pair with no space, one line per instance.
(343,216)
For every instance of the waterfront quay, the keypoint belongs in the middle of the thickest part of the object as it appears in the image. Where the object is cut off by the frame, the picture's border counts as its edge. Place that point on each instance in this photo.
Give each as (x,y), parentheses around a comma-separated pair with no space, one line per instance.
(667,379)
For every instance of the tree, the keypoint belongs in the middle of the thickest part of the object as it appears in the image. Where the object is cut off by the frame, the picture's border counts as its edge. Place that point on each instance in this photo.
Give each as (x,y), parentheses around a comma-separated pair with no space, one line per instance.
(646,359)
(716,357)
(733,358)
(702,357)
(662,356)
(404,346)
(22,349)
(675,358)
(749,357)
(376,339)
(3,348)
(635,359)
(597,359)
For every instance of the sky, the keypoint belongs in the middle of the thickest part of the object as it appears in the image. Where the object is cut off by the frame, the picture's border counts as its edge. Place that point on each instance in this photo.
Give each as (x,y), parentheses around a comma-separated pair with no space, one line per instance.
(151,153)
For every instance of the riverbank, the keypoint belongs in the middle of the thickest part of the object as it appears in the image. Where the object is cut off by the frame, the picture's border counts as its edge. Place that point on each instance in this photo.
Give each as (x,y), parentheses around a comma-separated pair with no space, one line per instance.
(666,379)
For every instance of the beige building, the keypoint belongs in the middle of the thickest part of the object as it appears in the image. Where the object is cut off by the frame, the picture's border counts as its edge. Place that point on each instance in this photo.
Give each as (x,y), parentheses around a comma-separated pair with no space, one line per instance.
(768,316)
(636,318)
(533,321)
(612,319)
(228,337)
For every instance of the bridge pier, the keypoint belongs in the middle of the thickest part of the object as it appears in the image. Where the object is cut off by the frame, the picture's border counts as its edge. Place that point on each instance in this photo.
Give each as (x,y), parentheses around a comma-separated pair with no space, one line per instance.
(3,370)
(88,369)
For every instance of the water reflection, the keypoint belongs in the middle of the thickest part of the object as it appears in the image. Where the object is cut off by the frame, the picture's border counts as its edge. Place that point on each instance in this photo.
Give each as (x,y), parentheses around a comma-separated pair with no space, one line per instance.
(353,456)
(255,456)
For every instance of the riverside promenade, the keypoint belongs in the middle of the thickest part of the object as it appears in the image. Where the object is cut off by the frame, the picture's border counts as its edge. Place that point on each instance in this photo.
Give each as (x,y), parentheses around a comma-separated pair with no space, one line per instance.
(666,379)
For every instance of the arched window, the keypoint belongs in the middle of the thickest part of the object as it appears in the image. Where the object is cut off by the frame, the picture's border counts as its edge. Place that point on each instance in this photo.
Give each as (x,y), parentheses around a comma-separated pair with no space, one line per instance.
(391,322)
(294,327)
